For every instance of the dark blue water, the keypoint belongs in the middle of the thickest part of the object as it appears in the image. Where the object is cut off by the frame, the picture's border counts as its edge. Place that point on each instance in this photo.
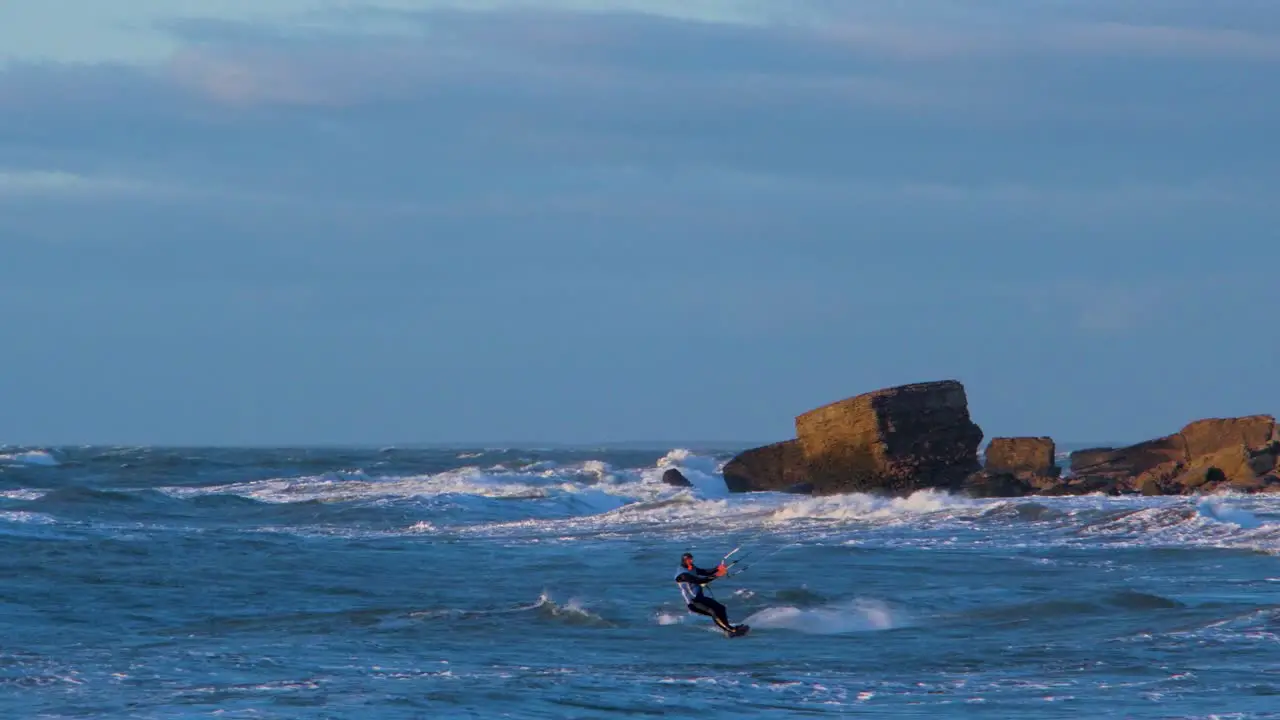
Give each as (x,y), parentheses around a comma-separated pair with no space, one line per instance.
(159,583)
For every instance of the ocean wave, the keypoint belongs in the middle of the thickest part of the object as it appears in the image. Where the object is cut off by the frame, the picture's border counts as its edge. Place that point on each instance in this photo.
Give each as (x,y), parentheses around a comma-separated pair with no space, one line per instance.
(26,517)
(686,510)
(23,494)
(1206,522)
(864,507)
(859,615)
(42,458)
(570,497)
(535,481)
(529,491)
(591,497)
(571,612)
(667,618)
(1054,609)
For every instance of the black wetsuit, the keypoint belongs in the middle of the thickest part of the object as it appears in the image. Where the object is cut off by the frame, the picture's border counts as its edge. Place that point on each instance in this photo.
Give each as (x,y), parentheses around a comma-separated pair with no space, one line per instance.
(691,582)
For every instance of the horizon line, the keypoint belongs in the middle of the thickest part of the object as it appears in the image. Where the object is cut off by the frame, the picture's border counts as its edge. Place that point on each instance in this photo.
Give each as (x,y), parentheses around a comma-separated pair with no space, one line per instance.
(479,445)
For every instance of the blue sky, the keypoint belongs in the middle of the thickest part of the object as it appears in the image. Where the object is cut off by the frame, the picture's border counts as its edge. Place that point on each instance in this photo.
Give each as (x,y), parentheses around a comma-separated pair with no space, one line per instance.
(296,221)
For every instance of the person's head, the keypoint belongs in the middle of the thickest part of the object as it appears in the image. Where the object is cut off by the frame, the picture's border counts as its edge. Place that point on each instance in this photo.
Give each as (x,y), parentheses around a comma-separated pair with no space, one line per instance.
(686,560)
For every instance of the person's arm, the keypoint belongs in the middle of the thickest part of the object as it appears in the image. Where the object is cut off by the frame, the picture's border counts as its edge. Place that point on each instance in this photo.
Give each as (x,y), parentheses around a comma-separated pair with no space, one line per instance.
(694,578)
(717,572)
(698,576)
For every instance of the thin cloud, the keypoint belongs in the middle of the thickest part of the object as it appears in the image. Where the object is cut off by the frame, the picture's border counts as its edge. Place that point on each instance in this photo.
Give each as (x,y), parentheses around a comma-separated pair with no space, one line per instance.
(1116,309)
(612,54)
(541,109)
(142,31)
(630,57)
(926,43)
(59,183)
(527,52)
(1097,306)
(1165,41)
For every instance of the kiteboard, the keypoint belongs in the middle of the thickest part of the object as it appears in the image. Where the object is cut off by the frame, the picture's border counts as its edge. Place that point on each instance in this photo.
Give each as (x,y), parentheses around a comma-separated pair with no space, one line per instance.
(739,631)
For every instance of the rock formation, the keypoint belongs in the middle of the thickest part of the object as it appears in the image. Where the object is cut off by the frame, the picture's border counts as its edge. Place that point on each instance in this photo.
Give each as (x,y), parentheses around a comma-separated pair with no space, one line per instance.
(675,478)
(1206,455)
(1015,466)
(896,440)
(901,439)
(773,467)
(1026,456)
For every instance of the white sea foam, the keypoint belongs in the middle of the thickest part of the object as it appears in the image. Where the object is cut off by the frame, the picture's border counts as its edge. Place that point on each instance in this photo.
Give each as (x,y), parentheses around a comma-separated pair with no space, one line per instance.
(868,507)
(1246,522)
(24,517)
(350,487)
(573,500)
(23,494)
(573,611)
(859,615)
(1217,509)
(701,471)
(30,457)
(591,487)
(682,457)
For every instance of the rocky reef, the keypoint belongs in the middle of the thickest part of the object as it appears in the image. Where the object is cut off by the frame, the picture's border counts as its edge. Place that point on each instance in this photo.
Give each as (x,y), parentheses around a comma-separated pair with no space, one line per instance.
(910,437)
(1207,455)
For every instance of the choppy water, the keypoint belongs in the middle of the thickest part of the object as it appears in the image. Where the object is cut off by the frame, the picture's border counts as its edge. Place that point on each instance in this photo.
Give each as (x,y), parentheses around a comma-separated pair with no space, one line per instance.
(156,583)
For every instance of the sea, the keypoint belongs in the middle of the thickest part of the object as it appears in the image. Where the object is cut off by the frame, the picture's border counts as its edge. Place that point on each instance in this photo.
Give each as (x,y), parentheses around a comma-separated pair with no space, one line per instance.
(538,583)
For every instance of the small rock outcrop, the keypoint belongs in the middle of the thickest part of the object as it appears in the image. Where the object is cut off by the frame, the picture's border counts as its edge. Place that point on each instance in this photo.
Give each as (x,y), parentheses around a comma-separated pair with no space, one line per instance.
(1022,456)
(896,440)
(1015,466)
(675,478)
(991,484)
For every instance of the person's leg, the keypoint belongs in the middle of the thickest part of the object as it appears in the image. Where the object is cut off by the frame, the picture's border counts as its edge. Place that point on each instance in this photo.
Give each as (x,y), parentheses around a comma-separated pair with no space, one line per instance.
(717,611)
(696,607)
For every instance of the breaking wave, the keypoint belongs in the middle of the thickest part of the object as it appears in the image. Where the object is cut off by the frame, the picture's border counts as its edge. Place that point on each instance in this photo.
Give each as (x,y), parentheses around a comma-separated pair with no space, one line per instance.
(854,616)
(29,457)
(502,493)
(870,507)
(1199,522)
(572,611)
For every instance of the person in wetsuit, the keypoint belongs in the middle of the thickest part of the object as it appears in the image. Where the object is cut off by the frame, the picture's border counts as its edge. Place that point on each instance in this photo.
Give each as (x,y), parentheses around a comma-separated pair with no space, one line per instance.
(691,578)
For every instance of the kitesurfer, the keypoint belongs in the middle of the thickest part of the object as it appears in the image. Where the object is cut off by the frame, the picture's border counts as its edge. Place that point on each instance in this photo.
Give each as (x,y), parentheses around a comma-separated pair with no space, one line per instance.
(691,580)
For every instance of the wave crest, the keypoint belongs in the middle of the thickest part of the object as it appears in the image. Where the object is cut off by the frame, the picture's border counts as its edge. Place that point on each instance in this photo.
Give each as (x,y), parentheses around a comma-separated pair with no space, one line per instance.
(42,458)
(862,506)
(859,615)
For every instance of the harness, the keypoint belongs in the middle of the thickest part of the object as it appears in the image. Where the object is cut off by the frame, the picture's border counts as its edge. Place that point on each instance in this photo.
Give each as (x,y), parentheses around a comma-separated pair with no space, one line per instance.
(692,591)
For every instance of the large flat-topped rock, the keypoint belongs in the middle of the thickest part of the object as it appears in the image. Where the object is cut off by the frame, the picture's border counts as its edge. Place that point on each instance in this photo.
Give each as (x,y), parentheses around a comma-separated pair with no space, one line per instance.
(894,440)
(897,439)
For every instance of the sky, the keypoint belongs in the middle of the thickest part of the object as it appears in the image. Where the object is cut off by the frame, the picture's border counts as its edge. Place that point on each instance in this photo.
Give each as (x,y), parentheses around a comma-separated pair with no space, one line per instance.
(378,222)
